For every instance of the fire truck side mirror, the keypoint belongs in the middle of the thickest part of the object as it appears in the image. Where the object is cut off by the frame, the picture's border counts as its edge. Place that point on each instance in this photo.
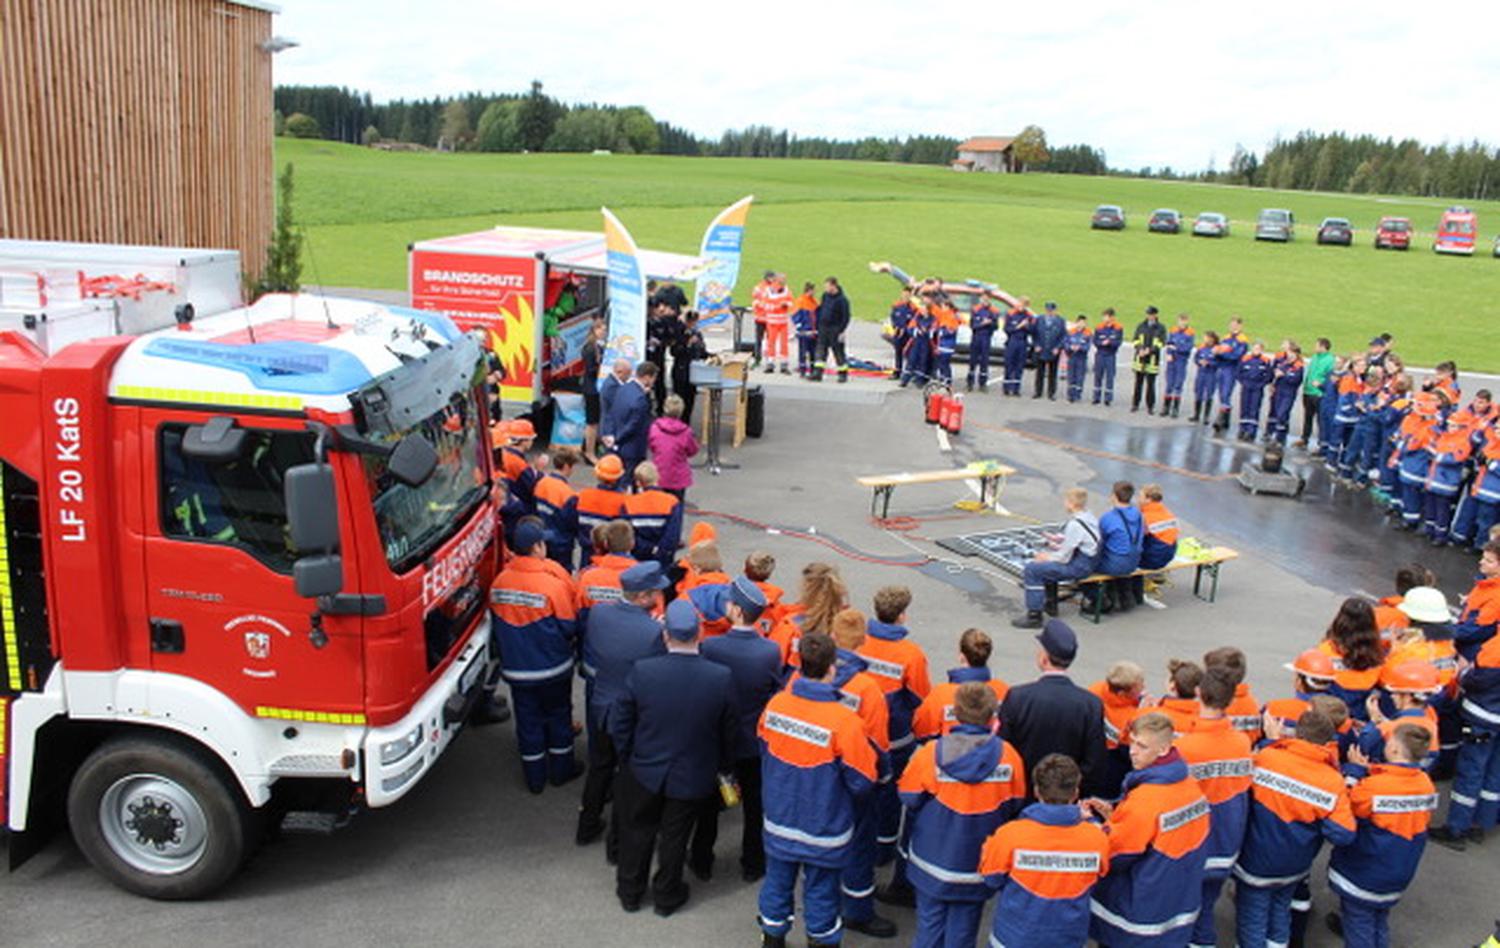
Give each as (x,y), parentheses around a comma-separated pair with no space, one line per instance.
(413,460)
(216,441)
(316,576)
(312,508)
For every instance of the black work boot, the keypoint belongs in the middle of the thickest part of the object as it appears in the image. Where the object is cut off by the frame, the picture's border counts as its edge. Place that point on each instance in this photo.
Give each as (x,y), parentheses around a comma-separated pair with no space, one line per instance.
(768,940)
(1031,620)
(876,926)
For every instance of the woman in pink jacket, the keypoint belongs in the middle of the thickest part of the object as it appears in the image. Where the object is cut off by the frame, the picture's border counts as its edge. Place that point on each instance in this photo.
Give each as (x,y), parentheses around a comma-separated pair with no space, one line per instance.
(671,442)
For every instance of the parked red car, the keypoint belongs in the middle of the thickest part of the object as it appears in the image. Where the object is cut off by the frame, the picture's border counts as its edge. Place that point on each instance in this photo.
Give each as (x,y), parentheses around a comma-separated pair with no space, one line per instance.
(1393,233)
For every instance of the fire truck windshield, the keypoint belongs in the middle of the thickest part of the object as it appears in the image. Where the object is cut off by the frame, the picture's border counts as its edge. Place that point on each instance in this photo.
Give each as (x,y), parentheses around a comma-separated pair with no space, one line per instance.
(415,520)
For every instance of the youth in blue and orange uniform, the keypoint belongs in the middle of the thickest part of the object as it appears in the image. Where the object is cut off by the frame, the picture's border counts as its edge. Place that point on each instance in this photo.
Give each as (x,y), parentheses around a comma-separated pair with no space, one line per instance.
(1364,444)
(1158,838)
(519,475)
(657,518)
(1179,355)
(1329,434)
(957,790)
(944,340)
(934,716)
(535,619)
(1044,864)
(1475,798)
(1287,385)
(1228,355)
(1353,685)
(1480,508)
(984,319)
(1219,758)
(1205,378)
(1479,612)
(1255,372)
(1413,456)
(1392,806)
(598,504)
(1350,389)
(1018,321)
(598,582)
(919,345)
(1392,414)
(1119,710)
(1371,737)
(805,325)
(1298,799)
(1107,338)
(1159,544)
(900,667)
(813,748)
(557,505)
(1076,347)
(1445,476)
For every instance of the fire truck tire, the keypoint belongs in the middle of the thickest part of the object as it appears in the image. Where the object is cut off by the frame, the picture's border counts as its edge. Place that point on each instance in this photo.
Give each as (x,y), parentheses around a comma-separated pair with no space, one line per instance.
(158,817)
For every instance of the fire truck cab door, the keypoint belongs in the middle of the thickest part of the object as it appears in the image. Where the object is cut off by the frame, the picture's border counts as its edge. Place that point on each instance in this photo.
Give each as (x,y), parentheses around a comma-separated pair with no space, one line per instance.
(221,604)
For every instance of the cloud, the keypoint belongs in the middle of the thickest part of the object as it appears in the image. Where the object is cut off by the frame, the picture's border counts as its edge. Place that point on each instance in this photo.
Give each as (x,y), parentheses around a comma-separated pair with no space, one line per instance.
(1166,83)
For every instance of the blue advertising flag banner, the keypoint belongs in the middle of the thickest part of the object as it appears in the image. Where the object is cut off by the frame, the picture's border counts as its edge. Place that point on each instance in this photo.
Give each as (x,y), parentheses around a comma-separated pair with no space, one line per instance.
(723,244)
(626,338)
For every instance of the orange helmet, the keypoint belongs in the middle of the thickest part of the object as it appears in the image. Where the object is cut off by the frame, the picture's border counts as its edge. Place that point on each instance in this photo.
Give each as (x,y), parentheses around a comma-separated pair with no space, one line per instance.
(1411,677)
(1314,665)
(521,429)
(610,468)
(500,434)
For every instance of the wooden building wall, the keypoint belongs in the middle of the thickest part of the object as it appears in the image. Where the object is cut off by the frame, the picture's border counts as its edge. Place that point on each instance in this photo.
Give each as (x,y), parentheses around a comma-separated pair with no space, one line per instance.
(137,121)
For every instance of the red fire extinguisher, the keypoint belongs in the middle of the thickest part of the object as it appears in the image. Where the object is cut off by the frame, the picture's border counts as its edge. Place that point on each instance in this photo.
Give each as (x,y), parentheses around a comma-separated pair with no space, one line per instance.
(935,403)
(954,420)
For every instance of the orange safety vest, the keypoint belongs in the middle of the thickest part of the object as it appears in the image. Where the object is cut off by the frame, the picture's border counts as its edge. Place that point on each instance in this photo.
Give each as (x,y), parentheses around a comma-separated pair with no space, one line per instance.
(1160,522)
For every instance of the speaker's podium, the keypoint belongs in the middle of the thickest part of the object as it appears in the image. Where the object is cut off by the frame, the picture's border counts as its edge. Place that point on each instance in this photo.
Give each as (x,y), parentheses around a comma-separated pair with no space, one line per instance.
(728,375)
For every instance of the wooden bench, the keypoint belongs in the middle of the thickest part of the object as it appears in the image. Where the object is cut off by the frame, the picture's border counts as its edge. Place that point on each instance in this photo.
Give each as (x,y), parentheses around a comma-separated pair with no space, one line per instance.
(990,474)
(1208,563)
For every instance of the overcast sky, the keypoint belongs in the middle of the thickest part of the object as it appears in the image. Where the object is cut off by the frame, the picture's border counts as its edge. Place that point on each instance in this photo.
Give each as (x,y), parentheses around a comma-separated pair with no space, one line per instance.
(1156,83)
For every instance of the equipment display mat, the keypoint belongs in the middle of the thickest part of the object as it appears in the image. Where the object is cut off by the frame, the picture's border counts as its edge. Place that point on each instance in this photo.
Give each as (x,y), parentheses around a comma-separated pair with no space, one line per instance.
(1007,549)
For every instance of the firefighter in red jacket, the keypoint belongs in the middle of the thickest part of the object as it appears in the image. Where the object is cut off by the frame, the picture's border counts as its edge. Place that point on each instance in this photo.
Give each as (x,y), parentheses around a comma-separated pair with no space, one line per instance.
(1045,864)
(1298,800)
(1157,846)
(1392,806)
(812,748)
(957,790)
(535,621)
(1218,757)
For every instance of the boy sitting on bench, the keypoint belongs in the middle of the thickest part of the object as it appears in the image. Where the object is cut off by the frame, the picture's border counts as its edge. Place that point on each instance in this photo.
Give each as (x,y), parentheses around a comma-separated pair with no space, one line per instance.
(1071,557)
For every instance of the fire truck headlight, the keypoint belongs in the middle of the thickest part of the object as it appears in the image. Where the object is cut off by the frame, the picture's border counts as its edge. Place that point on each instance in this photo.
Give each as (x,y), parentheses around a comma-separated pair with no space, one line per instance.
(393,752)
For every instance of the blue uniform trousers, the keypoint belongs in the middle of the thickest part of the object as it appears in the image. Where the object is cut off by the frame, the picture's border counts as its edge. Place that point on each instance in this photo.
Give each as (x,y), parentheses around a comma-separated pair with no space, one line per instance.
(1078,374)
(918,367)
(1359,453)
(944,923)
(889,811)
(1104,377)
(1036,577)
(1474,520)
(1279,420)
(544,730)
(1411,503)
(1203,386)
(1226,380)
(1203,929)
(820,900)
(1437,514)
(944,369)
(1176,377)
(1263,916)
(1250,399)
(807,349)
(1475,798)
(979,357)
(1365,923)
(1015,362)
(857,880)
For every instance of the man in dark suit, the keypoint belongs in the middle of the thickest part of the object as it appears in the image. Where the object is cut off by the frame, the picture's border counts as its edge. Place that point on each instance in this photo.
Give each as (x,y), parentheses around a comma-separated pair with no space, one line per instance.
(618,635)
(675,729)
(1052,715)
(630,417)
(754,661)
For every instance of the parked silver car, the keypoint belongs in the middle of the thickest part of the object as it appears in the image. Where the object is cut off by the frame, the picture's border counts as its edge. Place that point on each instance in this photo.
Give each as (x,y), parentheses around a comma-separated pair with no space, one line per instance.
(1275,224)
(1211,224)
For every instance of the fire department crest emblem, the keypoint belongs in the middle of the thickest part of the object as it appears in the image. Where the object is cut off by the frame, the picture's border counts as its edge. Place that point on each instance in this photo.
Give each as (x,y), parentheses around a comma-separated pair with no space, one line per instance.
(258,645)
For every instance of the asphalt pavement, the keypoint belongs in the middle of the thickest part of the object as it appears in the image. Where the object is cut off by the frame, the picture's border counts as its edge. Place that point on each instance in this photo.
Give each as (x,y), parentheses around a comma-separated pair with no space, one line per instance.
(470,858)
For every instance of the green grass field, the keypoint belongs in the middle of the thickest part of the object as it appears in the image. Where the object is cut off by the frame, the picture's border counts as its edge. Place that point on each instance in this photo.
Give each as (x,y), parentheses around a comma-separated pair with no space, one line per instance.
(1028,233)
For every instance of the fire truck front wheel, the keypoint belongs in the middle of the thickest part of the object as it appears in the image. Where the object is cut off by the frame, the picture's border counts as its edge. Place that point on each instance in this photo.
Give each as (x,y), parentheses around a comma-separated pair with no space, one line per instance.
(157,817)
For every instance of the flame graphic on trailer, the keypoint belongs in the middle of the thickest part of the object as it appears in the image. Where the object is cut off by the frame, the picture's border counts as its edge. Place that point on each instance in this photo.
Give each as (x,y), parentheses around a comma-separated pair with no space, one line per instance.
(494,294)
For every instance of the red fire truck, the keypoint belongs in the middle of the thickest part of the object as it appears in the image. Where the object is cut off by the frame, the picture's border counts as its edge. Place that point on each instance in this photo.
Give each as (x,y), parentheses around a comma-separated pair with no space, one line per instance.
(243,566)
